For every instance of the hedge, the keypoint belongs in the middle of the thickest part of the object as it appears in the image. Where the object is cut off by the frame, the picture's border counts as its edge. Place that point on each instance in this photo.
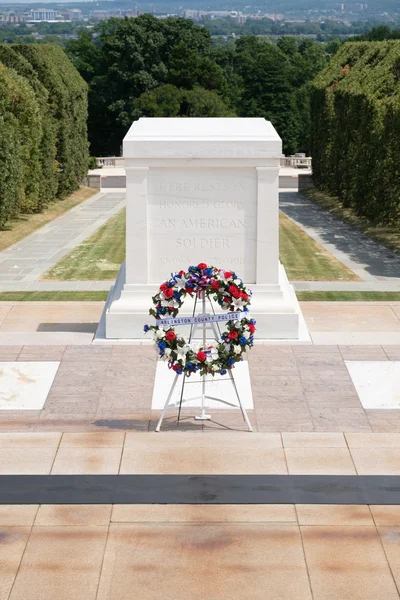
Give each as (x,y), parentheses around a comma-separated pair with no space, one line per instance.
(68,104)
(43,132)
(49,177)
(355,129)
(20,133)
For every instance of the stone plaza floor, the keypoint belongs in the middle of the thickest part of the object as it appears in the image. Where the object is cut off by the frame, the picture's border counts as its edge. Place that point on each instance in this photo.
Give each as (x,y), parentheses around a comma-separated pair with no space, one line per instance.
(96,420)
(295,388)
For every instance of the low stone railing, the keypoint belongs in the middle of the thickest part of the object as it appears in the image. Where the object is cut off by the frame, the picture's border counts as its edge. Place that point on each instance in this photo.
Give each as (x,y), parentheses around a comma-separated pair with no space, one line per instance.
(110,161)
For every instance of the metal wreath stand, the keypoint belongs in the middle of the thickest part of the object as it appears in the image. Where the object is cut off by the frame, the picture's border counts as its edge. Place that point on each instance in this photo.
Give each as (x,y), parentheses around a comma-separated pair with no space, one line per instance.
(214,326)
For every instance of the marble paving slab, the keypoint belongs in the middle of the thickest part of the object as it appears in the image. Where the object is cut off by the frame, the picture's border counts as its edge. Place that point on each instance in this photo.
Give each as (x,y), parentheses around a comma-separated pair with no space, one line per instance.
(377,383)
(25,385)
(219,387)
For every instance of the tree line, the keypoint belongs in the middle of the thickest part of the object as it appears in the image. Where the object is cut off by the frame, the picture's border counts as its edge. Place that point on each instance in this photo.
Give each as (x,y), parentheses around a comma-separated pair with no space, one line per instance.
(154,67)
(43,132)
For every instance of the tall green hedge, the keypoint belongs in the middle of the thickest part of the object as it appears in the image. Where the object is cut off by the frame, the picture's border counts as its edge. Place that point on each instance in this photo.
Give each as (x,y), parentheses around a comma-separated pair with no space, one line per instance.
(43,134)
(20,133)
(68,103)
(48,184)
(355,129)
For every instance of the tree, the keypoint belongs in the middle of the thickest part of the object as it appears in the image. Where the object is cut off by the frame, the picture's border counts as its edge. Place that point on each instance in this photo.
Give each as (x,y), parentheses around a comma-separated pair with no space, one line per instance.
(267,91)
(170,101)
(130,59)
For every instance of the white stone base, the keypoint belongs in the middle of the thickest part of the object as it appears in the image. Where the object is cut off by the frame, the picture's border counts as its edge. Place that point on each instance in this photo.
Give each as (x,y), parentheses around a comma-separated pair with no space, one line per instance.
(275,308)
(377,383)
(25,385)
(218,387)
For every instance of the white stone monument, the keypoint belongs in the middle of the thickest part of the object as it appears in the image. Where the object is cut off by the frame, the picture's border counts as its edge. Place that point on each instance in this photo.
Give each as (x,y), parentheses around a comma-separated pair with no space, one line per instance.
(202,190)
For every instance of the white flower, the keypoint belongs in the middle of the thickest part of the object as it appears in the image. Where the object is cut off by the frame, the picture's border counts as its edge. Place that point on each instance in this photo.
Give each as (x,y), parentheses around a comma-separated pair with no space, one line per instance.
(167,352)
(237,324)
(213,355)
(237,350)
(238,302)
(246,334)
(215,368)
(159,334)
(227,346)
(180,283)
(182,351)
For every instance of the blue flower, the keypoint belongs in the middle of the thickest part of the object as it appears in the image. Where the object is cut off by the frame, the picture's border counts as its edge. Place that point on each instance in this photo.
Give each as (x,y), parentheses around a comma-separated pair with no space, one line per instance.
(208,272)
(179,372)
(192,269)
(176,295)
(162,345)
(231,361)
(222,372)
(146,328)
(245,309)
(190,366)
(243,340)
(253,321)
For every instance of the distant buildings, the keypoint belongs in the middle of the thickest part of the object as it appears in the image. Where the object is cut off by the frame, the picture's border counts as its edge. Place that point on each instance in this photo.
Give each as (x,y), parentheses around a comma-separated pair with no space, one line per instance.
(200,15)
(44,14)
(11,16)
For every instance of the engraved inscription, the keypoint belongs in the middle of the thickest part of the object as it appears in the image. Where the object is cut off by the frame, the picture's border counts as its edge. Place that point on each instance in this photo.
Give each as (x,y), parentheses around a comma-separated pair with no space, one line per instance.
(202,215)
(200,186)
(202,223)
(197,242)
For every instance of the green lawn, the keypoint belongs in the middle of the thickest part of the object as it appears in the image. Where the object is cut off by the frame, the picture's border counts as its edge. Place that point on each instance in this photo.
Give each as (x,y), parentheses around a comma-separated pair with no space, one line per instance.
(99,257)
(305,260)
(348,296)
(98,296)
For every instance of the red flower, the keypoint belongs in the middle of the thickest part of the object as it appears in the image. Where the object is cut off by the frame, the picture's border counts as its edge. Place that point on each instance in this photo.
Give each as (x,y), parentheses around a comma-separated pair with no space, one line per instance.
(227,274)
(215,284)
(234,291)
(163,287)
(176,367)
(168,293)
(201,356)
(170,335)
(202,266)
(233,334)
(181,273)
(251,328)
(244,296)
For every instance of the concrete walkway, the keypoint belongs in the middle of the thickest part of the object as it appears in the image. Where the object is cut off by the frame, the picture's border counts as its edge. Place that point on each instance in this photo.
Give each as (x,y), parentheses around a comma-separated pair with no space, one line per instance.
(368,259)
(22,264)
(27,260)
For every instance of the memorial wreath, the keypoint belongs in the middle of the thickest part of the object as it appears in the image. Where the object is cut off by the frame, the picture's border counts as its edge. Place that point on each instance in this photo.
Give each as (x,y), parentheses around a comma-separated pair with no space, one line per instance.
(230,293)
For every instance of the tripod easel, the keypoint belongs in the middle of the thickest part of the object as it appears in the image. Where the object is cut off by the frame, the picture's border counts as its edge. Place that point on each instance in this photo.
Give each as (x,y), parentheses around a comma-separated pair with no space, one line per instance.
(203,397)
